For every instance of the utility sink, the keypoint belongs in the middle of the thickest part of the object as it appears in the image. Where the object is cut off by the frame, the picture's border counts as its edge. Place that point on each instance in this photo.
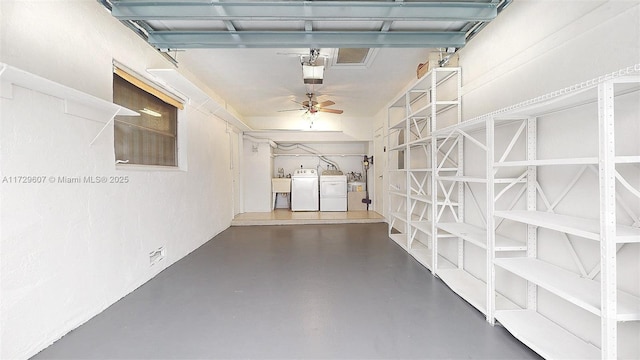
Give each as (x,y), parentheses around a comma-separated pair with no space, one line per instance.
(281,185)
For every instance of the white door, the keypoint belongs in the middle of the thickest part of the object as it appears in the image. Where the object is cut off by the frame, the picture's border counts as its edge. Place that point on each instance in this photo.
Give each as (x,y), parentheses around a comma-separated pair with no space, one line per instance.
(379,166)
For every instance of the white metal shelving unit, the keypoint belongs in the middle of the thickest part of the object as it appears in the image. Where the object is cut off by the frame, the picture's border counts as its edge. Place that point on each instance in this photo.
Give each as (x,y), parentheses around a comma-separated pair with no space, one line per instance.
(431,102)
(433,199)
(600,297)
(463,187)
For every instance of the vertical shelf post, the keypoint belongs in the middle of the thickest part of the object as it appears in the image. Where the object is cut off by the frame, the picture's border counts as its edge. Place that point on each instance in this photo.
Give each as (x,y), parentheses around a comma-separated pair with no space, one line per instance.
(407,167)
(490,208)
(532,198)
(460,185)
(433,126)
(607,173)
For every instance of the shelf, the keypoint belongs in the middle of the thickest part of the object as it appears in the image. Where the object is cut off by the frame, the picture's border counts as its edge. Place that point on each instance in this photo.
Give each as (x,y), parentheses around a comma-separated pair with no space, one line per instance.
(478,237)
(420,170)
(472,179)
(427,199)
(567,161)
(424,226)
(400,216)
(423,198)
(447,169)
(313,155)
(627,159)
(422,254)
(580,291)
(586,228)
(545,337)
(400,239)
(420,142)
(577,95)
(472,289)
(400,125)
(462,179)
(398,147)
(403,217)
(467,126)
(425,111)
(76,103)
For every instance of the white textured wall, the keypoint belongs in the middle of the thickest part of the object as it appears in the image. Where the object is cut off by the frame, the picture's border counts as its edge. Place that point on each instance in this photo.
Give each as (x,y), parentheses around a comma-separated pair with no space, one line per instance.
(70,250)
(539,46)
(257,170)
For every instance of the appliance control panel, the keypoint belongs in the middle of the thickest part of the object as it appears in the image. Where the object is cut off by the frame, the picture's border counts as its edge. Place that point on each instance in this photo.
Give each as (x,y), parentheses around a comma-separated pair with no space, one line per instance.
(305,172)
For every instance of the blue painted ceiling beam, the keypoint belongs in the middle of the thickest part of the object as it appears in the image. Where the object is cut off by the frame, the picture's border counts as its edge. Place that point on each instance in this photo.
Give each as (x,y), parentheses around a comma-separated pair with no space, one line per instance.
(304,10)
(296,39)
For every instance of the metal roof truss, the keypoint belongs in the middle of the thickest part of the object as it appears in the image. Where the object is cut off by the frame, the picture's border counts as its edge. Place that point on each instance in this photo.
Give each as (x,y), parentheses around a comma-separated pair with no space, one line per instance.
(430,22)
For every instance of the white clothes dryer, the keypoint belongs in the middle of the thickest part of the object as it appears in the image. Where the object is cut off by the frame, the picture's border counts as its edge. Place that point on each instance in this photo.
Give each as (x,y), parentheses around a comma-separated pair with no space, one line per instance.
(333,193)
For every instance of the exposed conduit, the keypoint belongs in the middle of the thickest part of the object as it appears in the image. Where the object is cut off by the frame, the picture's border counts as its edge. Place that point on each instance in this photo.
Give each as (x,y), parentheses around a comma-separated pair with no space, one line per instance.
(309,150)
(258,140)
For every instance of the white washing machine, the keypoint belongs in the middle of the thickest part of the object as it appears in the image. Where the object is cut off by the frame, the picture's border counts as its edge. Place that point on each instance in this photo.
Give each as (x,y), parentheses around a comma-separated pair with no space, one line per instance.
(333,193)
(304,190)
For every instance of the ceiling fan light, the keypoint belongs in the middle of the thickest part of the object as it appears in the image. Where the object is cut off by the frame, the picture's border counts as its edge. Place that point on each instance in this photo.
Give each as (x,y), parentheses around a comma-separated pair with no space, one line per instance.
(312,74)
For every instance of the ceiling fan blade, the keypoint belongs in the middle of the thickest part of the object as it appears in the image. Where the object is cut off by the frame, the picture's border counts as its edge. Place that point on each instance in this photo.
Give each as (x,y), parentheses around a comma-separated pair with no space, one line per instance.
(332,111)
(326,103)
(292,110)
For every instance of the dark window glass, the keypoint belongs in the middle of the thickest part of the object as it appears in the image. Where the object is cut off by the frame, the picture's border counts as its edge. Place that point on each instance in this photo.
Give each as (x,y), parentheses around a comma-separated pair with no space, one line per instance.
(148,139)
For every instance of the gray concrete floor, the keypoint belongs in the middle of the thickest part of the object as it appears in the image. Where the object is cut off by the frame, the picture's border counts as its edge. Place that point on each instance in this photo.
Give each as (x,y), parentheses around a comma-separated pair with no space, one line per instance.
(300,291)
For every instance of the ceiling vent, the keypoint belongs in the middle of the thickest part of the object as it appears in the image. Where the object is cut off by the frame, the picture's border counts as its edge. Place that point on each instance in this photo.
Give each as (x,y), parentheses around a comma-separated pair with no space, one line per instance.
(353,57)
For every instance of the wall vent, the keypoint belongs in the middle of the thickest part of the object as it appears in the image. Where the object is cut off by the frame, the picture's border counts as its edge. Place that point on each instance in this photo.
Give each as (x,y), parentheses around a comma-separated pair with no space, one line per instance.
(156,256)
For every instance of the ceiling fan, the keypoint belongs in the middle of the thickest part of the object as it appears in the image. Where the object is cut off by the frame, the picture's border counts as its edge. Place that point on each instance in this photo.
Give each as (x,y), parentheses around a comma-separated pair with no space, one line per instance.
(311,106)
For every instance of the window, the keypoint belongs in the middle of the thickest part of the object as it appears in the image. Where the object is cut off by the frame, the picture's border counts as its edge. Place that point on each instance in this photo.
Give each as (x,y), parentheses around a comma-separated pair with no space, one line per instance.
(152,137)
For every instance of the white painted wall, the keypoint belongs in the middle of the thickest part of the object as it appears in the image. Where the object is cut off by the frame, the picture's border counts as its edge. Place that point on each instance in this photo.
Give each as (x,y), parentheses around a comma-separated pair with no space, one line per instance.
(346,163)
(533,48)
(537,46)
(256,175)
(68,251)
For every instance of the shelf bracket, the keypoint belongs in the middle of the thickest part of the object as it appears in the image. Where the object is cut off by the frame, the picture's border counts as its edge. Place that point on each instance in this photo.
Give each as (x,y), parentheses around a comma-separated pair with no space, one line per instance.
(104,127)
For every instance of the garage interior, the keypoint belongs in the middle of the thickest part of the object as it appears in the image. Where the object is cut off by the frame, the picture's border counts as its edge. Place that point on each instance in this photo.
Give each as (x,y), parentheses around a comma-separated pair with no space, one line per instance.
(341,179)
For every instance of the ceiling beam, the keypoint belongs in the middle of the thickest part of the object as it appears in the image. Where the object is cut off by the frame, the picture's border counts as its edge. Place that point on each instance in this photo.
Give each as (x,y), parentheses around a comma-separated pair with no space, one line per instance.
(304,10)
(296,39)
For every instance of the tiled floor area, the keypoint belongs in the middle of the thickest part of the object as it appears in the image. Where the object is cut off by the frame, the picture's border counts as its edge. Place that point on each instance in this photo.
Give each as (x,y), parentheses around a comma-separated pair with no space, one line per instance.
(287,217)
